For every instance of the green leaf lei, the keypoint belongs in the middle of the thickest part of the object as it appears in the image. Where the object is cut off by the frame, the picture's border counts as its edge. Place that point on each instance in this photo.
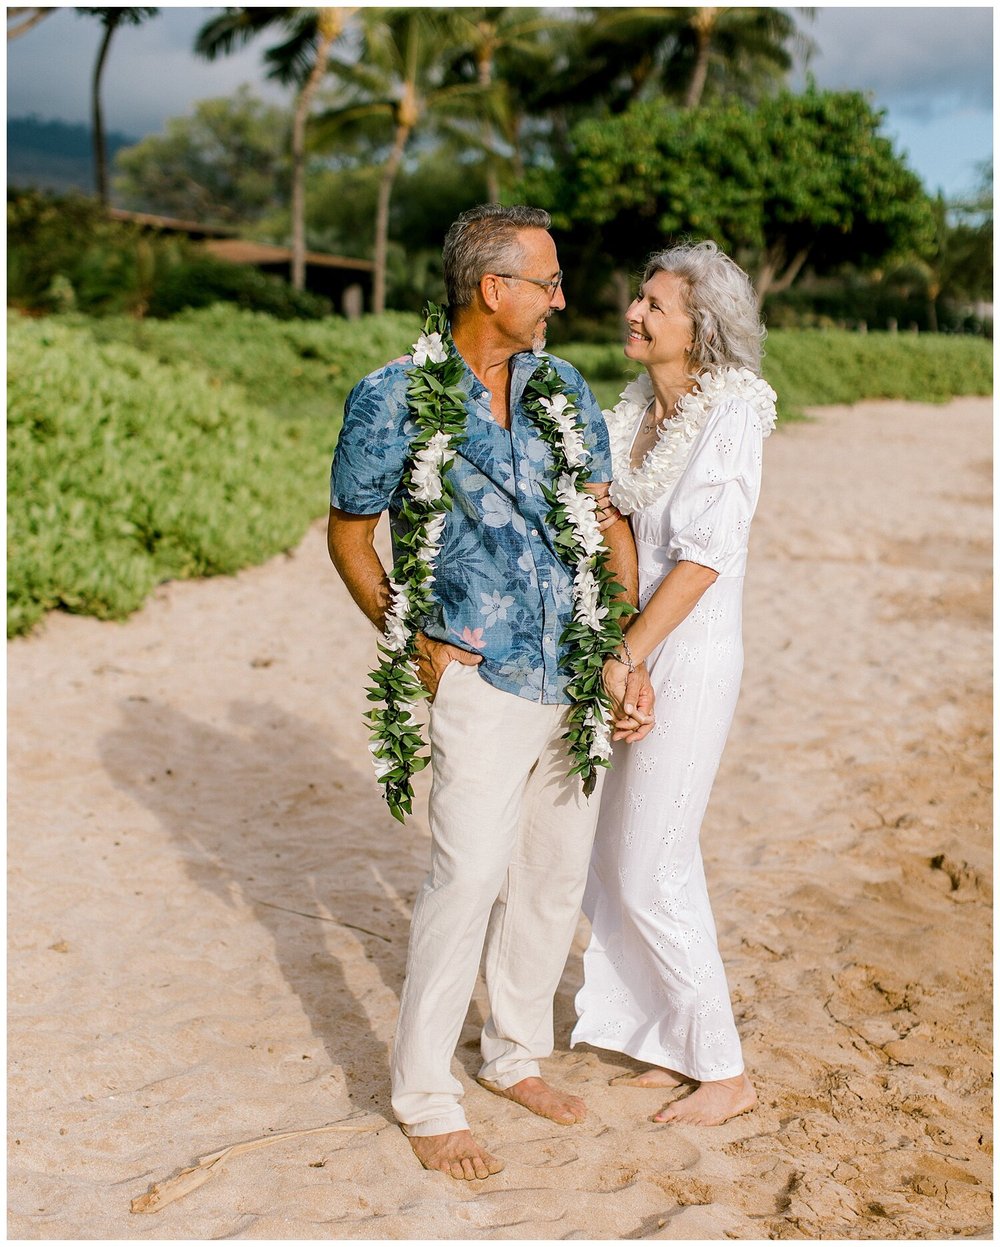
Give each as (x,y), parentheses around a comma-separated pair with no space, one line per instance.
(437,407)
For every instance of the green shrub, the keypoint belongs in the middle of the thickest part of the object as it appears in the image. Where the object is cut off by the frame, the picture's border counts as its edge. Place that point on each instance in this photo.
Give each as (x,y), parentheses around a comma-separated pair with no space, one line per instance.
(203,280)
(813,367)
(298,369)
(124,472)
(144,450)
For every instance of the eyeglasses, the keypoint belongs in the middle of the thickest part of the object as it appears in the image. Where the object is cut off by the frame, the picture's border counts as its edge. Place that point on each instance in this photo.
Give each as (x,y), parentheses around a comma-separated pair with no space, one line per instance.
(551,286)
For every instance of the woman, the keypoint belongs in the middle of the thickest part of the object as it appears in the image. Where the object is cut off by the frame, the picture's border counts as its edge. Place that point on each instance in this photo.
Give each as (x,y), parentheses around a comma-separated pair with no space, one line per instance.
(686,440)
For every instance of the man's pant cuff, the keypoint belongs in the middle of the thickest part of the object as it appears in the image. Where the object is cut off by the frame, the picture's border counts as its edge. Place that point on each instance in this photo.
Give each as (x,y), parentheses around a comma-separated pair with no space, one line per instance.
(445,1124)
(527,1069)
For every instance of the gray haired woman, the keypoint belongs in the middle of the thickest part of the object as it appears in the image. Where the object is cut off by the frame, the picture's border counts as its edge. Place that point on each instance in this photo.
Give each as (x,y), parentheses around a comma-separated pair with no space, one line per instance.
(686,441)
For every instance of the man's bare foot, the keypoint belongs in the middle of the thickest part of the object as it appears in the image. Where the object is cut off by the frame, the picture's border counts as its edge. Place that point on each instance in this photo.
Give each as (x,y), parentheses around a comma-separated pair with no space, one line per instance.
(538,1097)
(652,1077)
(712,1103)
(456,1154)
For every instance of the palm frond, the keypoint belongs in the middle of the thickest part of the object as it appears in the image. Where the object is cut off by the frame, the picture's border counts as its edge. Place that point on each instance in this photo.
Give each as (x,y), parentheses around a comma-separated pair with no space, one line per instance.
(234,28)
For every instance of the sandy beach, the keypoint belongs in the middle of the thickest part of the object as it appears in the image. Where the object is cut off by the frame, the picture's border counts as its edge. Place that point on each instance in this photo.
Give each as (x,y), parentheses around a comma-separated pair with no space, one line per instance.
(209,903)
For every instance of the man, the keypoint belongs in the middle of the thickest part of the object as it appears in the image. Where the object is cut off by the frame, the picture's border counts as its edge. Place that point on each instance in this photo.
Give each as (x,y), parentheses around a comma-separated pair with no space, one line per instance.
(511,832)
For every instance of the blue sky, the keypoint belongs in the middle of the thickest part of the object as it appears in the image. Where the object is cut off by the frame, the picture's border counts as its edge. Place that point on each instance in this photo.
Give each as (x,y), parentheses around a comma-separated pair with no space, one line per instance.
(930,68)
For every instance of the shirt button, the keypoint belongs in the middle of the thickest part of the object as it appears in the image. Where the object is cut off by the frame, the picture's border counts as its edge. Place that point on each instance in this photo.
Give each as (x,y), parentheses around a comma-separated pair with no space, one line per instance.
(534,532)
(545,584)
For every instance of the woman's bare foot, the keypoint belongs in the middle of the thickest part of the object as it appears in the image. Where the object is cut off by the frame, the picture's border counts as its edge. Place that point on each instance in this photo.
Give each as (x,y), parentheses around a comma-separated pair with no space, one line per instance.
(712,1103)
(456,1154)
(538,1097)
(653,1077)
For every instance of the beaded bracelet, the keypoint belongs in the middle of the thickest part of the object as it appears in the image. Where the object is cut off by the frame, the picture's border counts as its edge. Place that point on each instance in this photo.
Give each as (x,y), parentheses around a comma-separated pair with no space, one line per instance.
(628,660)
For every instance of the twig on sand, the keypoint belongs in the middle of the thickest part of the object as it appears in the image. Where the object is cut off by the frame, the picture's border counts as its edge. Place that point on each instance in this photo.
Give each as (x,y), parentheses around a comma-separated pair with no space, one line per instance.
(321,918)
(162,1193)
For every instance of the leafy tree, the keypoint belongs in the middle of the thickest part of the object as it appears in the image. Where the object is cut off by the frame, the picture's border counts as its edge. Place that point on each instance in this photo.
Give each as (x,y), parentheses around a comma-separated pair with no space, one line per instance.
(111,19)
(957,265)
(799,178)
(396,86)
(968,244)
(225,164)
(301,60)
(431,190)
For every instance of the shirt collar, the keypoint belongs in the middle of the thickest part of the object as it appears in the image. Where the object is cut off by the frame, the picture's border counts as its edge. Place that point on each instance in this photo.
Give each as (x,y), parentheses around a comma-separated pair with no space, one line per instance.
(522,365)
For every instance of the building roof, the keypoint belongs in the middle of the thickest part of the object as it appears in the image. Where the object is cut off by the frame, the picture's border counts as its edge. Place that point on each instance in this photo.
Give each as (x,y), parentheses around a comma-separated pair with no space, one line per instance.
(174,224)
(223,241)
(240,251)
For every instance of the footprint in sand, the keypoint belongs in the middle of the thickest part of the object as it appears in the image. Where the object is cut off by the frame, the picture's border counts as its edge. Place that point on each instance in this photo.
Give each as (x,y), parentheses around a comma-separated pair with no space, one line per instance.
(548,1153)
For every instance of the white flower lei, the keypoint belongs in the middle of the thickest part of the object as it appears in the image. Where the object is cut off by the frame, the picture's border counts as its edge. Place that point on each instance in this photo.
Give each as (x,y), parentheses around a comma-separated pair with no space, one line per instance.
(661,467)
(437,406)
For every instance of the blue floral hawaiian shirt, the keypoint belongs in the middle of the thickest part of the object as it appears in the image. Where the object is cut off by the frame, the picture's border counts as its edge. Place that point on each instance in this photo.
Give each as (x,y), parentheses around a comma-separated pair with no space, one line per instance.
(501,588)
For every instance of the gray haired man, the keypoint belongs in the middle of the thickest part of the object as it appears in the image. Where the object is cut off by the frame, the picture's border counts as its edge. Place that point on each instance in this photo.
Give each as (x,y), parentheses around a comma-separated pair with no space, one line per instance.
(511,831)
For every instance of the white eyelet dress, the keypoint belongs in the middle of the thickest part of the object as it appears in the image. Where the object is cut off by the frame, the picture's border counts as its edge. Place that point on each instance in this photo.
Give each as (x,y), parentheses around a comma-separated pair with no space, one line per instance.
(655,986)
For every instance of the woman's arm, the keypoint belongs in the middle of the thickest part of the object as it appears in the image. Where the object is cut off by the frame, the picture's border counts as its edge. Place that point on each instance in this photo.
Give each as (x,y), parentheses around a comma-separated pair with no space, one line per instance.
(674,599)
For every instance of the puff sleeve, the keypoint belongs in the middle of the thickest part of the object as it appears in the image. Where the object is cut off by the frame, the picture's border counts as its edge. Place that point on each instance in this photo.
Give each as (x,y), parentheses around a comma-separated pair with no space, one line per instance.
(713,503)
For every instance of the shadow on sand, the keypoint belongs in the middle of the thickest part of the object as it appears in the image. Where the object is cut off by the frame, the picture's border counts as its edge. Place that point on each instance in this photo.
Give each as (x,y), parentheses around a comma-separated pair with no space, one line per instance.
(265,814)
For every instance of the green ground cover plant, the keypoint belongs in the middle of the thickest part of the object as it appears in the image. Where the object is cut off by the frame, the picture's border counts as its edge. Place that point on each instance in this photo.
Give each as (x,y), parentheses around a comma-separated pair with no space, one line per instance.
(124,472)
(818,367)
(141,451)
(291,369)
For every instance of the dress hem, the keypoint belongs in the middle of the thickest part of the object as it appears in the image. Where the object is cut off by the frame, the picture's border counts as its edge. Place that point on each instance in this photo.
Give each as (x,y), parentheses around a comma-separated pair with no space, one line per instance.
(639,1054)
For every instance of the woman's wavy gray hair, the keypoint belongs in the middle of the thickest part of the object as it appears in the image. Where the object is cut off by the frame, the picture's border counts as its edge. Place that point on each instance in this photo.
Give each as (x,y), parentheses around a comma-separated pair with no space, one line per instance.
(722,304)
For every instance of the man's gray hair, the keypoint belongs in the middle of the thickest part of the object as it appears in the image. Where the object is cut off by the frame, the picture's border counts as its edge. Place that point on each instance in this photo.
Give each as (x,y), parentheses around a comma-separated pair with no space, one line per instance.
(484,240)
(720,299)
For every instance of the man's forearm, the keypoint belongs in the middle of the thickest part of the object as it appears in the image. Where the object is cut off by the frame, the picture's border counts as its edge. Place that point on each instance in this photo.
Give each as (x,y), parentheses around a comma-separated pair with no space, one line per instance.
(622,562)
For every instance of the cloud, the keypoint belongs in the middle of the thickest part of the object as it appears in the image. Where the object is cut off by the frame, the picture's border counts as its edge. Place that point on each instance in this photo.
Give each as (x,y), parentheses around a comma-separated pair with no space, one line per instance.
(919,62)
(160,55)
(151,72)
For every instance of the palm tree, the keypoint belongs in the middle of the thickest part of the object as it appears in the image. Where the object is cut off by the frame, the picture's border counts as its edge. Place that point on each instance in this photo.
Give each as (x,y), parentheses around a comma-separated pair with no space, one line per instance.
(302,59)
(615,56)
(111,19)
(396,85)
(747,45)
(703,22)
(499,39)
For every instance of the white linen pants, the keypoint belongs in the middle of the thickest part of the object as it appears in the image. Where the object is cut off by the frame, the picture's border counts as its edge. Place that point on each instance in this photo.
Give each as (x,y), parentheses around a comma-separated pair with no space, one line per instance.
(511,836)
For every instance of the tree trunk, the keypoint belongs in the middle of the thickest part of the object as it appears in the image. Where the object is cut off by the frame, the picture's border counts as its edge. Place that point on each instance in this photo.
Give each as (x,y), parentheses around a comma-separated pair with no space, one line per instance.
(768,281)
(97,118)
(703,22)
(484,64)
(516,125)
(623,293)
(329,25)
(386,181)
(933,290)
(406,115)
